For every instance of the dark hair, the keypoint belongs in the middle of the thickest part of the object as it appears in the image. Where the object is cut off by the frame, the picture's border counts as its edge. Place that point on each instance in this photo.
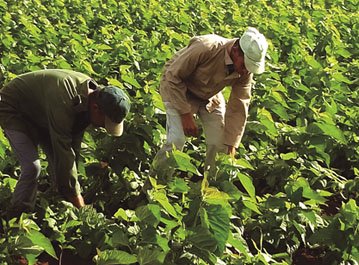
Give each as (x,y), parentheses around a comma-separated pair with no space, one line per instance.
(93,96)
(239,47)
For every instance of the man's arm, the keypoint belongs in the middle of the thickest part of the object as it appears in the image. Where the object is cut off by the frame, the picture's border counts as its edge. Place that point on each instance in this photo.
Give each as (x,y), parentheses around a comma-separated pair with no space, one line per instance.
(66,169)
(189,126)
(61,118)
(231,150)
(77,201)
(237,112)
(178,70)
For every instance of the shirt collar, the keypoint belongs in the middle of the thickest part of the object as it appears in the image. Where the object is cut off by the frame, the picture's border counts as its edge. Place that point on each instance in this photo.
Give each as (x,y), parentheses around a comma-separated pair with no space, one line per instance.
(80,102)
(227,58)
(228,47)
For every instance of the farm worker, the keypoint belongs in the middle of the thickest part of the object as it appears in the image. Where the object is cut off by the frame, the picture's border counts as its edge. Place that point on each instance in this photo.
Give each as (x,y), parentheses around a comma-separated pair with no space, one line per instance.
(51,109)
(191,84)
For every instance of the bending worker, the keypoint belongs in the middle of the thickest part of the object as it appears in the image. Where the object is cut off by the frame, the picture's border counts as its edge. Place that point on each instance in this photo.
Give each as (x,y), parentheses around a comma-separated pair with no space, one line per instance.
(191,84)
(51,109)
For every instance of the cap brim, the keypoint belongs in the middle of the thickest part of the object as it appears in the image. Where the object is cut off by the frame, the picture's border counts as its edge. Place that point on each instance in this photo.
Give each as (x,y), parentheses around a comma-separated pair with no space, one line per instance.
(254,67)
(113,128)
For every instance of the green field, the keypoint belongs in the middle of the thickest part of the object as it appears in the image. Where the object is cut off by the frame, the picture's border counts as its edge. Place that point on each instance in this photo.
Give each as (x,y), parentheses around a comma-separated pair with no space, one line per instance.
(290,196)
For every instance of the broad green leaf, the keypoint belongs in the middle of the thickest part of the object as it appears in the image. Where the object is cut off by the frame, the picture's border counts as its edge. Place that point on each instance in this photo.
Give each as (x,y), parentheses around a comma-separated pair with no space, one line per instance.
(163,243)
(31,258)
(251,205)
(239,243)
(339,77)
(307,191)
(126,215)
(27,248)
(178,185)
(202,238)
(266,119)
(88,67)
(207,256)
(243,163)
(162,199)
(344,52)
(219,224)
(70,224)
(212,195)
(229,188)
(154,184)
(312,62)
(10,182)
(311,218)
(103,47)
(119,238)
(280,111)
(289,156)
(324,235)
(131,80)
(62,63)
(327,129)
(114,257)
(247,184)
(115,82)
(183,161)
(149,255)
(150,214)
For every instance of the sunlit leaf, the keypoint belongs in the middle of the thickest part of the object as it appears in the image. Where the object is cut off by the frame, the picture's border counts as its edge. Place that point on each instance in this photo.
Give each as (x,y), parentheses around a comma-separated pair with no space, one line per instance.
(184,163)
(247,184)
(113,257)
(162,199)
(327,129)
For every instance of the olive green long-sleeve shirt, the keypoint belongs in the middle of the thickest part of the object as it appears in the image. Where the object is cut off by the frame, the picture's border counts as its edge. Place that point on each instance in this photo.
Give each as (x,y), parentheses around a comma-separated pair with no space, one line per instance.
(198,73)
(51,102)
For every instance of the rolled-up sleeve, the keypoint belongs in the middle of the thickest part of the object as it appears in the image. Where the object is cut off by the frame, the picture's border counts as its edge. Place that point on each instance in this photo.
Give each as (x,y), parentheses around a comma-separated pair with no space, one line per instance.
(237,111)
(179,69)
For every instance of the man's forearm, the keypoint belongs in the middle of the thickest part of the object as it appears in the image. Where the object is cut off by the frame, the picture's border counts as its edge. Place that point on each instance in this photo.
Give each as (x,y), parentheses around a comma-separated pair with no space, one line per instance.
(189,126)
(77,201)
(231,150)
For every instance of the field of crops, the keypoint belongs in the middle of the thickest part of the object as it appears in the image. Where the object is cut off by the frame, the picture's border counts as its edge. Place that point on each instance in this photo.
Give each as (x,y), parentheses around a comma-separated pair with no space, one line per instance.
(290,196)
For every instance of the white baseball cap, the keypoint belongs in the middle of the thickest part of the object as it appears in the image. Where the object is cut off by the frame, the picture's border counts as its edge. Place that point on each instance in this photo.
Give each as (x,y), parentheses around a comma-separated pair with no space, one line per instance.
(254,47)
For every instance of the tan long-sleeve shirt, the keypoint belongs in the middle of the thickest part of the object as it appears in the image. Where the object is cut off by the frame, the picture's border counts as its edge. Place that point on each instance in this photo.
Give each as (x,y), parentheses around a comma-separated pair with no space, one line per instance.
(198,73)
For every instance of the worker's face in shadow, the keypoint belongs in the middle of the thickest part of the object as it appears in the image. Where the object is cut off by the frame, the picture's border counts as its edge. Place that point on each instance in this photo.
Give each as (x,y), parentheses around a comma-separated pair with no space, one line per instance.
(97,117)
(237,57)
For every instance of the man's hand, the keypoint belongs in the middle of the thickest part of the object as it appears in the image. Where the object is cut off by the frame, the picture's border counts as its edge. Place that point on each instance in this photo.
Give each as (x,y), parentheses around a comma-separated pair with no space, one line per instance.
(231,151)
(77,201)
(189,126)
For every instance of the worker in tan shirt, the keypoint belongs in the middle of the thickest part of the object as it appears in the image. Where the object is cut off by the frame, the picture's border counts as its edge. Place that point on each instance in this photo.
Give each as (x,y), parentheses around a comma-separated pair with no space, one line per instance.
(191,84)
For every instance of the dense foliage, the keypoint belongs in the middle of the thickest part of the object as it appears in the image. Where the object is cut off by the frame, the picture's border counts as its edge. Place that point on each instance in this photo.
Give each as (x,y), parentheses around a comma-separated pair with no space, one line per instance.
(290,195)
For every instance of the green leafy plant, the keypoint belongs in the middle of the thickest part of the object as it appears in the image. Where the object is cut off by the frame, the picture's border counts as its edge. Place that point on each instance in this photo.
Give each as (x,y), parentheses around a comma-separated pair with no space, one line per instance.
(290,193)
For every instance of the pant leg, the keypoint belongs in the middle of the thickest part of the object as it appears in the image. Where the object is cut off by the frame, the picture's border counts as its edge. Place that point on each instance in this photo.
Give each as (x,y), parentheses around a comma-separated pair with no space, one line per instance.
(26,152)
(175,136)
(46,146)
(213,128)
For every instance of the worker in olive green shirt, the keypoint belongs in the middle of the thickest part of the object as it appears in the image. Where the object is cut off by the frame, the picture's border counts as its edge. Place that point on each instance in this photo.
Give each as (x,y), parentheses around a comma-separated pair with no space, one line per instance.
(192,82)
(51,109)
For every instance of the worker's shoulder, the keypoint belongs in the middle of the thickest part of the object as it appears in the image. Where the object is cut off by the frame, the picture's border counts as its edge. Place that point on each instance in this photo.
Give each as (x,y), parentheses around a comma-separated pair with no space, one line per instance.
(209,40)
(54,74)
